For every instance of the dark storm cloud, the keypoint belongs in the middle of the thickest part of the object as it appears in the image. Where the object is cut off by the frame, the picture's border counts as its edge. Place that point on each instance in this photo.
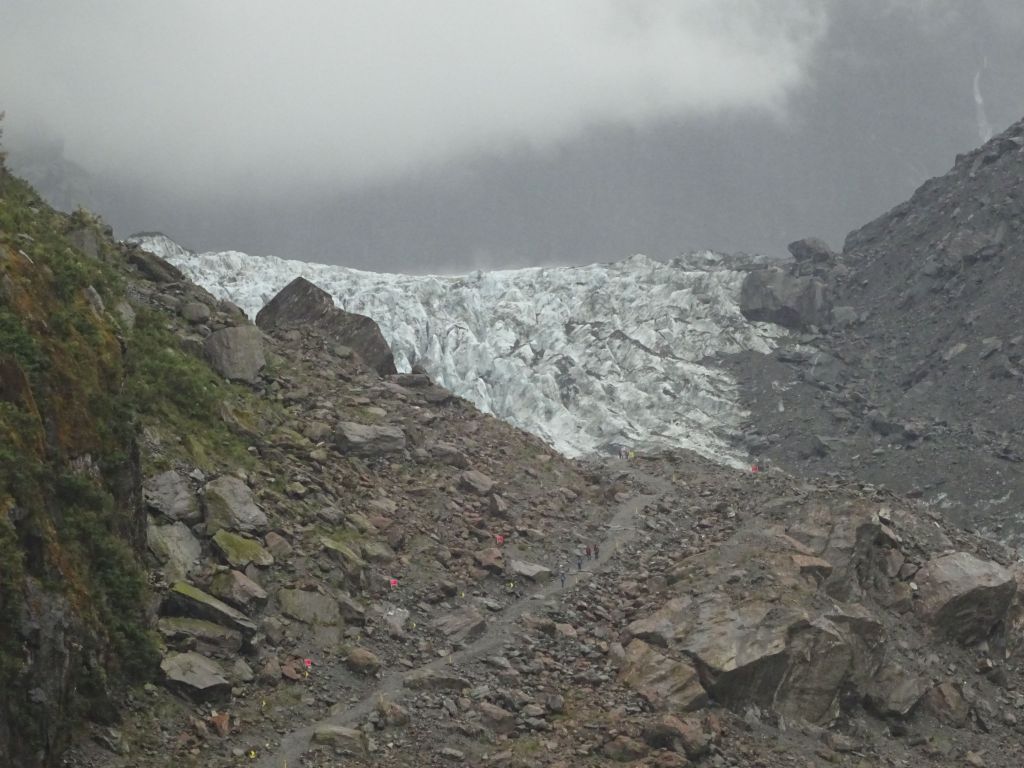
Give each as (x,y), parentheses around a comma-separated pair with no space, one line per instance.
(451,135)
(354,91)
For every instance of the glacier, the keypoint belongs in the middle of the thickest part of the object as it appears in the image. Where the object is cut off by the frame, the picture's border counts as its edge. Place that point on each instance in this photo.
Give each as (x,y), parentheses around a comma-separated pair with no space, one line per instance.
(591,358)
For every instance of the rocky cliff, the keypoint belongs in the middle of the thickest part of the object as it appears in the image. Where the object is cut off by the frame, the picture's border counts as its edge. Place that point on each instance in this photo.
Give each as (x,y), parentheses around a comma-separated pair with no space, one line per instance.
(73,619)
(916,380)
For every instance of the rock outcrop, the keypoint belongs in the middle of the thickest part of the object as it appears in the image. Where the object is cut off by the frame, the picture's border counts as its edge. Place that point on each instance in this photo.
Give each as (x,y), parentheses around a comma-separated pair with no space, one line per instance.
(236,353)
(963,596)
(774,295)
(196,676)
(303,305)
(925,342)
(368,439)
(230,506)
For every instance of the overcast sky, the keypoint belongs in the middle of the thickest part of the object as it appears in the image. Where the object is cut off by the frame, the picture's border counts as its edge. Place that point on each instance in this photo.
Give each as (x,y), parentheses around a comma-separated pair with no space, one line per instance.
(460,133)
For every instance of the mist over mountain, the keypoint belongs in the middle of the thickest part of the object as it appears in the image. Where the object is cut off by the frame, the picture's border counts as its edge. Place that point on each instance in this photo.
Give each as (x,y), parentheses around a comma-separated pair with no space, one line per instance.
(885,97)
(585,509)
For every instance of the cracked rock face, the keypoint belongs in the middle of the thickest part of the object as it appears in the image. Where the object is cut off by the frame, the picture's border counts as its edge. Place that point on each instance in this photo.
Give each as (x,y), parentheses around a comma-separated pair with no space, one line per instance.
(963,596)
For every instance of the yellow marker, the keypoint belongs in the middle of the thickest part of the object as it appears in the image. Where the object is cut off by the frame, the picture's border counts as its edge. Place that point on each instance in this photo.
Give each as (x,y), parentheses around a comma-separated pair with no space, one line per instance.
(462,594)
(306,673)
(252,754)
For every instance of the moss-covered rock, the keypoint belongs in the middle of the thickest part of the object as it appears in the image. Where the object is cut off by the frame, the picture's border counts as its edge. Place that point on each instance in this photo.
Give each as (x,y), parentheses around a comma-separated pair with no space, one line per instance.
(183,599)
(309,607)
(240,551)
(230,505)
(237,589)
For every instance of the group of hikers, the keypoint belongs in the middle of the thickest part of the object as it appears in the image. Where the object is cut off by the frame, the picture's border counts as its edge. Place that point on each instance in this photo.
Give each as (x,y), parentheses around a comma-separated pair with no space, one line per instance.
(591,551)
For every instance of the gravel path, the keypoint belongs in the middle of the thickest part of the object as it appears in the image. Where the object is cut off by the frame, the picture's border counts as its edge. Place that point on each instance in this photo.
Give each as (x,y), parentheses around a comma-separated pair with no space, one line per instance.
(618,531)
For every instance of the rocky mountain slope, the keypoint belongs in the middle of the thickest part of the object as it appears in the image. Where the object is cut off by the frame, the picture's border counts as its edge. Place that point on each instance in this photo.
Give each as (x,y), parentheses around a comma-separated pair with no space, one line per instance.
(228,543)
(589,358)
(915,379)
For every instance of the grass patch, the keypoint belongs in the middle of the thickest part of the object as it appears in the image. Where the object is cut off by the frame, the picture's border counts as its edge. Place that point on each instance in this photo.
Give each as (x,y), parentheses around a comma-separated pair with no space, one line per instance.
(95,535)
(166,386)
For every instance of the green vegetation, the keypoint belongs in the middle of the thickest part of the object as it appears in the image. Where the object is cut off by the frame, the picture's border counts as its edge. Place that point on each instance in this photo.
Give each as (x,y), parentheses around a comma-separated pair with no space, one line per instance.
(76,387)
(67,457)
(16,341)
(96,535)
(174,391)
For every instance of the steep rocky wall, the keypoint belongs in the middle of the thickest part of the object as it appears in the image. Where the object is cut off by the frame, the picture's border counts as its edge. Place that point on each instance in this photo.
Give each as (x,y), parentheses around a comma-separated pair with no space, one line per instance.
(71,522)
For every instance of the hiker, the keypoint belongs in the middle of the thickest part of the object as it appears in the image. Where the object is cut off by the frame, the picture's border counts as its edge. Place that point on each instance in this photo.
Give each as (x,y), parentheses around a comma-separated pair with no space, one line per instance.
(597,551)
(588,551)
(579,562)
(561,576)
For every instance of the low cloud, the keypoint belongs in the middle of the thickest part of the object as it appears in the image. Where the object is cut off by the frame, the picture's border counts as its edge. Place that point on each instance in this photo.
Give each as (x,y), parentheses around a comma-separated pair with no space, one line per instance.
(220,95)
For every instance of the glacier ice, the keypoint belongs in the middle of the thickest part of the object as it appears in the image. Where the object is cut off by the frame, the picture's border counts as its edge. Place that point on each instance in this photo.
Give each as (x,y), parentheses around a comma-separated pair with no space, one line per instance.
(587,357)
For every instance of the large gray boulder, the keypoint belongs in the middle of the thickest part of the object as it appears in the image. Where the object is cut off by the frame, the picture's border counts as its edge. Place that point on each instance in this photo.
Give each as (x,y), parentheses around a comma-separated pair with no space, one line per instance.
(812,256)
(461,626)
(196,676)
(237,589)
(171,495)
(300,304)
(200,635)
(236,353)
(895,691)
(428,680)
(531,571)
(963,596)
(774,296)
(309,607)
(175,548)
(183,599)
(368,440)
(475,481)
(741,649)
(666,684)
(231,506)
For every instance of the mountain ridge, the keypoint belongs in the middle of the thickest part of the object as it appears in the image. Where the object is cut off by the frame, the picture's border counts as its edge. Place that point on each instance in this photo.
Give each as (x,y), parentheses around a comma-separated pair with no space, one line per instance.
(921,388)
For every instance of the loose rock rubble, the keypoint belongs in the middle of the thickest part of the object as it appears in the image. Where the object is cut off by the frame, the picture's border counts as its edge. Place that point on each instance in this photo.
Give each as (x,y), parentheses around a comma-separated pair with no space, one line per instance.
(392,578)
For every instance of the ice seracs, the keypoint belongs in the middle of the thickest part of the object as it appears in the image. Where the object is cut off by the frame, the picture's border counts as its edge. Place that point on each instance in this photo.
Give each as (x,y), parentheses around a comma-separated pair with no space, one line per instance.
(587,357)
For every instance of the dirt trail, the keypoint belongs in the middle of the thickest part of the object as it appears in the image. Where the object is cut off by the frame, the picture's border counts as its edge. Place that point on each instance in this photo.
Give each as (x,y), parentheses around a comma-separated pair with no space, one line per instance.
(620,529)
